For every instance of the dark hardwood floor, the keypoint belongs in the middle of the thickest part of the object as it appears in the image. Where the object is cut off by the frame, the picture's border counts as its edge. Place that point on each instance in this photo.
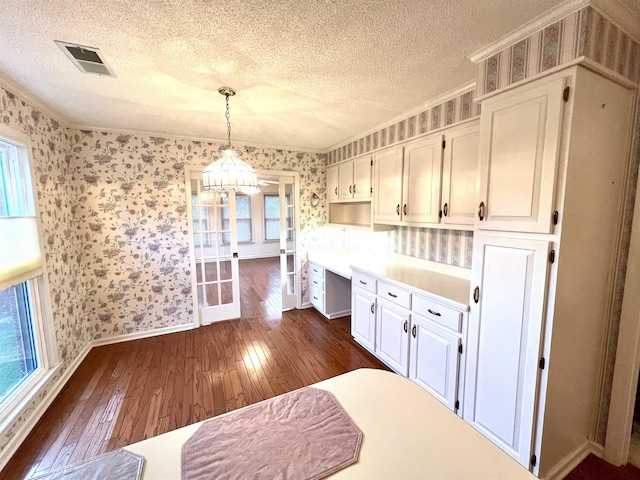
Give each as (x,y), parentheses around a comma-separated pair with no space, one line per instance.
(126,392)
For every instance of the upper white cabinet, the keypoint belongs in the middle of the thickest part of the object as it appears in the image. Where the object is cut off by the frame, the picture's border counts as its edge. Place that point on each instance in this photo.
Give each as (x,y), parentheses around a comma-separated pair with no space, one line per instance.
(387,185)
(460,169)
(422,175)
(407,183)
(519,151)
(350,180)
(332,183)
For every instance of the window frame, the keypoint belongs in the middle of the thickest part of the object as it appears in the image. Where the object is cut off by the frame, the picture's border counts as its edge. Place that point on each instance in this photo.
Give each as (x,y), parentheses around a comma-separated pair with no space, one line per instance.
(19,166)
(266,219)
(239,220)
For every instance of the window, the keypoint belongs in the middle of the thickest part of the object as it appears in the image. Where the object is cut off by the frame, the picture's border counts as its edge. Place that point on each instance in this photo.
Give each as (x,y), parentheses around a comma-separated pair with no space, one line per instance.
(243,219)
(23,356)
(272,217)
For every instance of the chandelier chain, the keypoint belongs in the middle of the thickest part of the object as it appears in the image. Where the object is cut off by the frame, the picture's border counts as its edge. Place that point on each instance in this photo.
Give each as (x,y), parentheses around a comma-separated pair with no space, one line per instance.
(228,116)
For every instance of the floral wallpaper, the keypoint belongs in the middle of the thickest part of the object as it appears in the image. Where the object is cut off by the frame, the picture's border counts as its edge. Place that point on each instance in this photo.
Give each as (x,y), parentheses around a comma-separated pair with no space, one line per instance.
(55,200)
(114,228)
(131,219)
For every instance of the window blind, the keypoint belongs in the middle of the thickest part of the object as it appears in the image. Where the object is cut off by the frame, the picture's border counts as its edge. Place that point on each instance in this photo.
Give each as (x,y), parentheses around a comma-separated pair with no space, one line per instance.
(20,256)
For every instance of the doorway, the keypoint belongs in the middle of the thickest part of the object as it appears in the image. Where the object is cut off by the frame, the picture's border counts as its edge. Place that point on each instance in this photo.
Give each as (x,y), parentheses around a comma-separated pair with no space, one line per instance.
(244,248)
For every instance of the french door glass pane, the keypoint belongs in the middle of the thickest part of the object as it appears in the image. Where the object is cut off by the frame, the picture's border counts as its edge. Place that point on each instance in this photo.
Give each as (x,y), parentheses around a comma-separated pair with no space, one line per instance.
(18,357)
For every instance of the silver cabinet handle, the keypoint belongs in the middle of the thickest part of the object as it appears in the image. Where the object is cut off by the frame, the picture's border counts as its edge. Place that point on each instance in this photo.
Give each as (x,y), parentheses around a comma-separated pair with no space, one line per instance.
(404,209)
(413,331)
(398,209)
(372,307)
(336,190)
(405,326)
(392,295)
(481,211)
(437,314)
(363,282)
(350,187)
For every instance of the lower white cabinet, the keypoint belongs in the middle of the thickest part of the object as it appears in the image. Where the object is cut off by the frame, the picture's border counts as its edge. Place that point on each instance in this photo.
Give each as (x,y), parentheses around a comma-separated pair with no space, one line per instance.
(413,334)
(363,317)
(435,360)
(392,336)
(505,340)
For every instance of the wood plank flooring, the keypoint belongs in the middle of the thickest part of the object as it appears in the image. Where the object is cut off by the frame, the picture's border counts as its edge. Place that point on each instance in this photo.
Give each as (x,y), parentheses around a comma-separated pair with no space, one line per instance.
(126,392)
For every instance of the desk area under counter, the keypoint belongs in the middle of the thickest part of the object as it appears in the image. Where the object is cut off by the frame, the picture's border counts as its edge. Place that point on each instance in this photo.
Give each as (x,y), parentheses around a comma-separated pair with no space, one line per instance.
(410,313)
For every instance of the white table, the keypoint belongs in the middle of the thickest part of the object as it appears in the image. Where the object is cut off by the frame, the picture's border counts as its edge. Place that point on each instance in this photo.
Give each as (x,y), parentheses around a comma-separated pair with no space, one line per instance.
(408,434)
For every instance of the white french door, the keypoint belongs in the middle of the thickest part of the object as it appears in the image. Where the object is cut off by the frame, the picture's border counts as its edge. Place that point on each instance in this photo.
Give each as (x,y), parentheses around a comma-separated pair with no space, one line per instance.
(214,247)
(287,192)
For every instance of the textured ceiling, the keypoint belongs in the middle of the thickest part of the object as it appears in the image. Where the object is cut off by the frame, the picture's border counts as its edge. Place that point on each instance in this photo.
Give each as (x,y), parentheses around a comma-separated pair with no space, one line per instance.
(309,73)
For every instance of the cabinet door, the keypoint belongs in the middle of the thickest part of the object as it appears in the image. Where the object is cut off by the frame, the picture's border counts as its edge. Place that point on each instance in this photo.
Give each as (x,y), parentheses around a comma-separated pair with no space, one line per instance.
(434,360)
(504,341)
(363,317)
(387,185)
(392,336)
(332,183)
(519,149)
(422,180)
(345,180)
(460,175)
(362,177)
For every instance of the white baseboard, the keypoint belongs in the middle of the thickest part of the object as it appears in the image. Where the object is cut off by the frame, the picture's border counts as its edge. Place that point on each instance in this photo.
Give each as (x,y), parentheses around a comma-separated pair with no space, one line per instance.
(571,461)
(137,335)
(24,431)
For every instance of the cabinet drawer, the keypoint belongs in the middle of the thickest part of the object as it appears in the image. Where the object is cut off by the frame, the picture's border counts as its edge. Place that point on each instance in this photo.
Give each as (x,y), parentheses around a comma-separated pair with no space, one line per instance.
(316,296)
(363,281)
(315,271)
(316,283)
(438,313)
(394,294)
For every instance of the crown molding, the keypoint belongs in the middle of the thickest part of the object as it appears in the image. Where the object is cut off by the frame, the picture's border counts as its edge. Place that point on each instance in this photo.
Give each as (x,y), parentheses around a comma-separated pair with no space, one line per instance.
(532,26)
(33,100)
(456,92)
(175,136)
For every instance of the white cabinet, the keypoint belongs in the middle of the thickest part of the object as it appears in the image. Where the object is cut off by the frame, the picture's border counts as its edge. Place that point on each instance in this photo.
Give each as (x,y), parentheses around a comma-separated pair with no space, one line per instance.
(412,333)
(333,194)
(434,359)
(350,180)
(460,169)
(407,187)
(387,185)
(329,292)
(392,336)
(363,310)
(519,151)
(535,348)
(505,340)
(422,176)
(354,178)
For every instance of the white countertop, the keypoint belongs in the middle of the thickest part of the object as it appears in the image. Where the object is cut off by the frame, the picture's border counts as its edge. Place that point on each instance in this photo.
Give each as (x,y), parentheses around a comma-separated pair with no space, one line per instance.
(448,284)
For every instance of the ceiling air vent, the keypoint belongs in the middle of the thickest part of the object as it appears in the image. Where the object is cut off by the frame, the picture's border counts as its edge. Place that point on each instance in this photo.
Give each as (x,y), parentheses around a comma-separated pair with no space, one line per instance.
(87,59)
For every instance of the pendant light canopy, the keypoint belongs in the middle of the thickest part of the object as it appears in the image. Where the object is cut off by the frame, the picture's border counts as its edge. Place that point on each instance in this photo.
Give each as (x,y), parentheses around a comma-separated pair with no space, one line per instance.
(229,173)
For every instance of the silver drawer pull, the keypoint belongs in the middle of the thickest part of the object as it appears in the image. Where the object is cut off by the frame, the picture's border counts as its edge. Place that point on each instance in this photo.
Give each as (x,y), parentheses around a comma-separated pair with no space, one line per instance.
(437,314)
(363,282)
(315,298)
(392,295)
(315,270)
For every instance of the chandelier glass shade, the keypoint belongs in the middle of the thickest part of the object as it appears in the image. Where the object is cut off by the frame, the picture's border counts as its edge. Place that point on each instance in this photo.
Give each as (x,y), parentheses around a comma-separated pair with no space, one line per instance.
(229,173)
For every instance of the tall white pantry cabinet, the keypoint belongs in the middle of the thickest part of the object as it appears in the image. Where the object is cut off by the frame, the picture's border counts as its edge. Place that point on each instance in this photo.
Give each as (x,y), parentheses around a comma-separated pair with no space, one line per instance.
(553,161)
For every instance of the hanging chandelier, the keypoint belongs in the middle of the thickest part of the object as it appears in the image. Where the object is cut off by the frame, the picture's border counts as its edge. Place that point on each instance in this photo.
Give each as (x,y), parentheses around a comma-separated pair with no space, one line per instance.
(229,173)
